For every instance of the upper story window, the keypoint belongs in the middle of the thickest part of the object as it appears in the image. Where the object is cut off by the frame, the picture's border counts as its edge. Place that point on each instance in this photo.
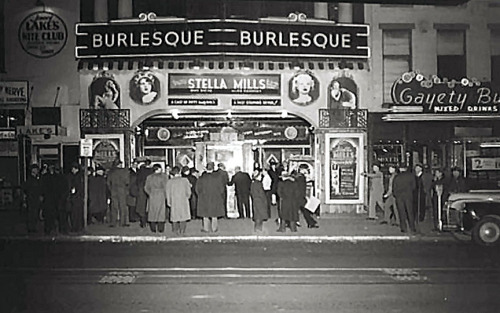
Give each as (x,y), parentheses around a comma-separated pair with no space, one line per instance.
(161,8)
(396,57)
(495,56)
(451,60)
(2,36)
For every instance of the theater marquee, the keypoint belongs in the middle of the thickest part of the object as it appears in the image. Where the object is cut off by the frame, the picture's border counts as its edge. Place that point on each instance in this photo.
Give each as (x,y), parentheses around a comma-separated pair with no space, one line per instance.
(232,37)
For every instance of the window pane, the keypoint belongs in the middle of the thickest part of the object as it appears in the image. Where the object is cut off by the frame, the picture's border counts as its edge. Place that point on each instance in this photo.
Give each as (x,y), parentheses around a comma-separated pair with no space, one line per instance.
(394,67)
(396,42)
(204,9)
(283,8)
(451,42)
(451,66)
(495,70)
(495,42)
(243,9)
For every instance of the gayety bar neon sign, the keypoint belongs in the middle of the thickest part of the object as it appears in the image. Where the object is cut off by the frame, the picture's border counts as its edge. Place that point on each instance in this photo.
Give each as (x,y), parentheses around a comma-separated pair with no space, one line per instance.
(438,95)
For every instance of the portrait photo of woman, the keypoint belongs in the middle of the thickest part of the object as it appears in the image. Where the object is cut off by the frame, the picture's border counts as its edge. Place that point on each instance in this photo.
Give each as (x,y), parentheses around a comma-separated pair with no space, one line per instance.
(303,88)
(144,88)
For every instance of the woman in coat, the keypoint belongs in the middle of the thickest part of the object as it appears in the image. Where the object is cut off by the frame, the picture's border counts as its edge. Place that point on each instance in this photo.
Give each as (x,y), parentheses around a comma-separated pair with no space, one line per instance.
(155,188)
(178,191)
(260,212)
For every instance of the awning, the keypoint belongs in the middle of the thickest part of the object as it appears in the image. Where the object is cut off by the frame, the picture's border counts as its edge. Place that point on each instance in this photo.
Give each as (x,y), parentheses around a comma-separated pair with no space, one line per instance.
(220,64)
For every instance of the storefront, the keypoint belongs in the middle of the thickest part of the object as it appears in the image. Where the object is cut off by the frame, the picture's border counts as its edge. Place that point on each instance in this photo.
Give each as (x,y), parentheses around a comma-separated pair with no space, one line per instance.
(442,124)
(184,93)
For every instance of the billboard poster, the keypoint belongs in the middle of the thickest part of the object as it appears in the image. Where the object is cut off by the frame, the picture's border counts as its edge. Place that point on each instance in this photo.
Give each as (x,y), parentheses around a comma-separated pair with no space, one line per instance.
(14,92)
(344,161)
(188,84)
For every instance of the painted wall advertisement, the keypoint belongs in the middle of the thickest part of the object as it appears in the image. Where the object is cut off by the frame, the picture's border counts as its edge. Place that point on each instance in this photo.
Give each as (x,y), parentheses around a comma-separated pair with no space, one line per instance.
(43,34)
(344,160)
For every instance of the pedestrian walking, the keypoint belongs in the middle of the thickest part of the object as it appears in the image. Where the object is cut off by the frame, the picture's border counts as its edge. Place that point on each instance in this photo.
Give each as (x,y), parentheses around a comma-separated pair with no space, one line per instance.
(391,214)
(290,204)
(32,190)
(375,198)
(241,182)
(75,198)
(142,198)
(211,196)
(190,174)
(223,181)
(52,184)
(98,196)
(178,192)
(118,184)
(403,189)
(155,188)
(260,211)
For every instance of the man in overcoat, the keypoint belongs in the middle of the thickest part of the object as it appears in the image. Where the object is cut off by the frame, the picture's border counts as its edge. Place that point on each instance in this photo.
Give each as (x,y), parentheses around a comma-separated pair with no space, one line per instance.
(32,190)
(52,185)
(178,193)
(75,197)
(118,184)
(155,188)
(403,189)
(142,198)
(242,182)
(290,203)
(211,195)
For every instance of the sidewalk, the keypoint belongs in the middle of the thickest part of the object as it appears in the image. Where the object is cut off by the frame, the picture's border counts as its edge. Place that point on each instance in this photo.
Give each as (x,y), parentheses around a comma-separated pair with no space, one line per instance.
(333,227)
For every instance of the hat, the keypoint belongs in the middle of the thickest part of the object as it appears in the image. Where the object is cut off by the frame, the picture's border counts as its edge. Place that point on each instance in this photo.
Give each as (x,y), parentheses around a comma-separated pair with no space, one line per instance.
(184,169)
(99,168)
(210,166)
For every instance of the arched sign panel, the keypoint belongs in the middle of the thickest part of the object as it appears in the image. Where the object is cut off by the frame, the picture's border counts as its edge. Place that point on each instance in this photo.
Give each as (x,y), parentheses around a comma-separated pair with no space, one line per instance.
(43,34)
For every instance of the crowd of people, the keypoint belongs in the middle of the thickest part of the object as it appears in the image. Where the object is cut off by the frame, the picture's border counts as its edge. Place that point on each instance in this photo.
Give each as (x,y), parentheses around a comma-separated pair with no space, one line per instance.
(407,197)
(152,196)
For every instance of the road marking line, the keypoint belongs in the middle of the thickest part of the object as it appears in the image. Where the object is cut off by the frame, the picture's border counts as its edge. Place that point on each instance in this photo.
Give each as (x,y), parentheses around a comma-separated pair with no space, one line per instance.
(405,274)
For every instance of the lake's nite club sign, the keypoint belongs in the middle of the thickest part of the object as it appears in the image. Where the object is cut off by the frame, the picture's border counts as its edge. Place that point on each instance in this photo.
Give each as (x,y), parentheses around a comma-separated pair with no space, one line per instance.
(438,95)
(232,37)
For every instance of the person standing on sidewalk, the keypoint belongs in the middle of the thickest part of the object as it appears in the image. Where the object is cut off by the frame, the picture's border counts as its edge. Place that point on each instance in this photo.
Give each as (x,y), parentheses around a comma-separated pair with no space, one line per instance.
(132,192)
(142,198)
(178,191)
(75,197)
(211,196)
(118,184)
(391,214)
(189,173)
(259,201)
(422,196)
(98,196)
(301,184)
(376,181)
(290,204)
(274,172)
(223,181)
(439,195)
(155,188)
(32,190)
(241,182)
(403,189)
(51,184)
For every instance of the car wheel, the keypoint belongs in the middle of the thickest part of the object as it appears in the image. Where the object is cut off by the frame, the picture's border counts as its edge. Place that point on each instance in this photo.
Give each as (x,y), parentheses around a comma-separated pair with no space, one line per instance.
(486,232)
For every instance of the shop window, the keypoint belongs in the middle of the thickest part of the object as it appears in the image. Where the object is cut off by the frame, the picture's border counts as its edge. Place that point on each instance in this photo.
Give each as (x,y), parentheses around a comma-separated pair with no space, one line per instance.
(161,8)
(495,57)
(451,61)
(396,57)
(11,118)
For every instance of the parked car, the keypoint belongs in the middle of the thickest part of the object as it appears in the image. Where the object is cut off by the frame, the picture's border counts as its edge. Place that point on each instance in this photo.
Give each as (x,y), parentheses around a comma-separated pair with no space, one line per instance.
(477,213)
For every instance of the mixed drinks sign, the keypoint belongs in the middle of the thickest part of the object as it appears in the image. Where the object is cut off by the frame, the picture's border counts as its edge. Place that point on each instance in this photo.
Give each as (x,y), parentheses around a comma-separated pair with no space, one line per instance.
(188,84)
(437,95)
(232,37)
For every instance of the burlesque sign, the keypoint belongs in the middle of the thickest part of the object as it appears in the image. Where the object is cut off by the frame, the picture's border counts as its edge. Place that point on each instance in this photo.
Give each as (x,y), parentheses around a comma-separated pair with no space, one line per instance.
(233,37)
(438,95)
(182,84)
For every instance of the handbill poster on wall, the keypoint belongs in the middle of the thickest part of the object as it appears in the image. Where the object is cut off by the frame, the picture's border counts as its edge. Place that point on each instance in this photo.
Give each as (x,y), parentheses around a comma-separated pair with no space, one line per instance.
(344,159)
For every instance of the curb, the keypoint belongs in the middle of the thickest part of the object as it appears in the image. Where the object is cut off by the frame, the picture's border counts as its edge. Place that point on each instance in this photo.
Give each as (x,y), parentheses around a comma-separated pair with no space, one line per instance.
(209,239)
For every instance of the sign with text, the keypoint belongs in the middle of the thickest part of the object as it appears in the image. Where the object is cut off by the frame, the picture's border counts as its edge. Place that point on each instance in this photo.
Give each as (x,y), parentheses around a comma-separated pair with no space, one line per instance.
(207,102)
(86,146)
(7,134)
(14,92)
(438,95)
(485,164)
(231,37)
(43,34)
(264,84)
(256,102)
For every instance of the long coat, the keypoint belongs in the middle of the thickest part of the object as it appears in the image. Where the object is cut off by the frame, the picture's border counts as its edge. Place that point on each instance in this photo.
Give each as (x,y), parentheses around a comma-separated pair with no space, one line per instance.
(290,204)
(242,182)
(259,201)
(155,187)
(178,193)
(211,195)
(142,197)
(98,194)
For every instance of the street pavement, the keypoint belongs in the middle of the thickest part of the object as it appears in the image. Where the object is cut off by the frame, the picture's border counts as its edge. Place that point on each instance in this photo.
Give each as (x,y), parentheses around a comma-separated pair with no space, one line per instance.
(332,227)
